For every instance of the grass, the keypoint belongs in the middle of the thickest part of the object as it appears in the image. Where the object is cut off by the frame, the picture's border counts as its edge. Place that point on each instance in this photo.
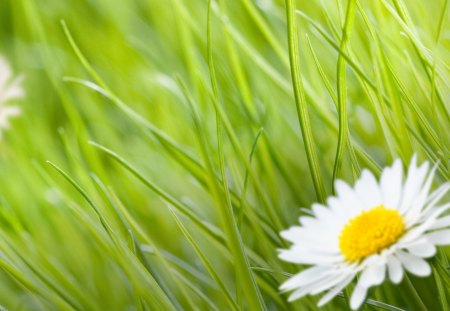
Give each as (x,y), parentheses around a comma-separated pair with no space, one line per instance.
(163,145)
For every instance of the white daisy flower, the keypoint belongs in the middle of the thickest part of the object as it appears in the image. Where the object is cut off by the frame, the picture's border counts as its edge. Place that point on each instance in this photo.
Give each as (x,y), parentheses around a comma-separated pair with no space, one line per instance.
(10,88)
(375,229)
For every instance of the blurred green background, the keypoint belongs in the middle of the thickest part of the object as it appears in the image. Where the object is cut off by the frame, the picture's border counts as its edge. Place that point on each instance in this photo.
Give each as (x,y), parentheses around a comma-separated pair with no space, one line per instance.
(58,253)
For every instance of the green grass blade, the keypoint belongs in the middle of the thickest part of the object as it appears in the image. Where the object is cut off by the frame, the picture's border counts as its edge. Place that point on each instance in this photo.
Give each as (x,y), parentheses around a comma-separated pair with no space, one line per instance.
(301,105)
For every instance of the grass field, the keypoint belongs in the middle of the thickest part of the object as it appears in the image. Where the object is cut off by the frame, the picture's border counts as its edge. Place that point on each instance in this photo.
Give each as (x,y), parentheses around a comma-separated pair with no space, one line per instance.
(163,145)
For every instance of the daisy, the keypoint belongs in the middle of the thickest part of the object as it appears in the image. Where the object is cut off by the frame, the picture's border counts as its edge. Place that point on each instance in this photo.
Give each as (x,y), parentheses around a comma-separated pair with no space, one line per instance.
(9,89)
(376,230)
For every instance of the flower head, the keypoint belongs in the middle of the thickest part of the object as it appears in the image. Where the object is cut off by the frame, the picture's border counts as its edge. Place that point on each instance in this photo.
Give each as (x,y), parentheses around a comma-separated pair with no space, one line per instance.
(377,229)
(10,88)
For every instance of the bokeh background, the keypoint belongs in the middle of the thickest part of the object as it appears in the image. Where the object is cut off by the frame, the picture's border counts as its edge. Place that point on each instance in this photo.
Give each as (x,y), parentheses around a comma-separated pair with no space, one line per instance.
(150,56)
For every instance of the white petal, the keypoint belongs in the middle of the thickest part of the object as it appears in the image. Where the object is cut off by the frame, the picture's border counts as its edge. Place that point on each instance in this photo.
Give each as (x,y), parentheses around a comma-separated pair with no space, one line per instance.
(305,277)
(302,291)
(321,211)
(417,231)
(321,239)
(318,286)
(368,191)
(299,293)
(293,234)
(13,91)
(347,197)
(321,246)
(422,248)
(334,291)
(344,209)
(374,260)
(332,281)
(10,111)
(413,184)
(342,188)
(373,275)
(437,195)
(441,237)
(391,184)
(413,264)
(358,297)
(395,270)
(440,223)
(417,205)
(307,221)
(295,255)
(435,212)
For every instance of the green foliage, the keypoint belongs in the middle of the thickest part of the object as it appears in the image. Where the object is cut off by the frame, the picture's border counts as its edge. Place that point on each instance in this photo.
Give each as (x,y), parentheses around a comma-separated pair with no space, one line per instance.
(182,136)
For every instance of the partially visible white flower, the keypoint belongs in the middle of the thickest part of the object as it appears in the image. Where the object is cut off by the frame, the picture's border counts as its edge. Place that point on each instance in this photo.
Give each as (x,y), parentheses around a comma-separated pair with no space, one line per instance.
(377,229)
(10,88)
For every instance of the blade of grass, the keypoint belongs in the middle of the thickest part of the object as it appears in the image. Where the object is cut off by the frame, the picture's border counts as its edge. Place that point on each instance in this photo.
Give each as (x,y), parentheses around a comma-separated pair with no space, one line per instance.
(208,228)
(301,105)
(342,90)
(136,249)
(205,261)
(244,275)
(160,296)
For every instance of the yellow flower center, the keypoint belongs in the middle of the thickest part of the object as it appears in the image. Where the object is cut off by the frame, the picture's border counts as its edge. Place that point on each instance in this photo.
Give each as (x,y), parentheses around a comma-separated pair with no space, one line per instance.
(370,232)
